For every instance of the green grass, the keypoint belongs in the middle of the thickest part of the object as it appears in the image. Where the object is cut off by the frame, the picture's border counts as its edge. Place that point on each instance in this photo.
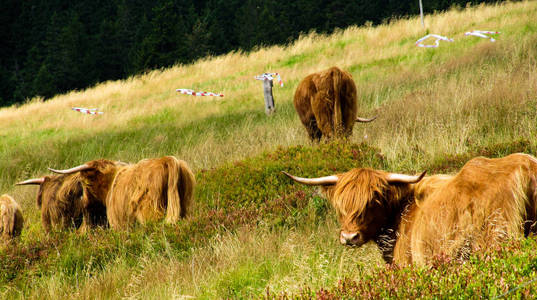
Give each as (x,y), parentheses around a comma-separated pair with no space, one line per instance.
(247,194)
(510,272)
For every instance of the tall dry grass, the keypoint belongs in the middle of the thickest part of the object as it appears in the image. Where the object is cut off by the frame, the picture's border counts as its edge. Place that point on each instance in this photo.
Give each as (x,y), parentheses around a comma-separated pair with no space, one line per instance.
(388,68)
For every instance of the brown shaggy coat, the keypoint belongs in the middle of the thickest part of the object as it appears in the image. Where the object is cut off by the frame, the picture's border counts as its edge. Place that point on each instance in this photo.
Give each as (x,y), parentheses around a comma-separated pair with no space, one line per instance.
(488,201)
(326,103)
(150,190)
(11,220)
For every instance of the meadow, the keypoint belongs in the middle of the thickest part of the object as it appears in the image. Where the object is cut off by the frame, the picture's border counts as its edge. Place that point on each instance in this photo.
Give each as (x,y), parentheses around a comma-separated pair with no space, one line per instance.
(252,232)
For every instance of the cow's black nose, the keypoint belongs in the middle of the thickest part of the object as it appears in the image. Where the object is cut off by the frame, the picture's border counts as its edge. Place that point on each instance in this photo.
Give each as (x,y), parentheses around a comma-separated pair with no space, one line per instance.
(349,238)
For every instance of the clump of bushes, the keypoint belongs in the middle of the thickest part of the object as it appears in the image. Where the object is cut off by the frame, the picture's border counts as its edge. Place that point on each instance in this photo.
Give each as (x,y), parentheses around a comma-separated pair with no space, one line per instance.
(509,271)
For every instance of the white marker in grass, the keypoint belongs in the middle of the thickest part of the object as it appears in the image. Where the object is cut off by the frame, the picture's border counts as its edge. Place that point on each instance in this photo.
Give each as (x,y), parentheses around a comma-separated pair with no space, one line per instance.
(437,42)
(482,34)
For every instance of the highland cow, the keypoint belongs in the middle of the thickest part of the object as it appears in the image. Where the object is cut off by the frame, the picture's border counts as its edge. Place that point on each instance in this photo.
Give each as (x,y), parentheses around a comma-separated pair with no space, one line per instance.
(326,103)
(415,219)
(150,190)
(11,220)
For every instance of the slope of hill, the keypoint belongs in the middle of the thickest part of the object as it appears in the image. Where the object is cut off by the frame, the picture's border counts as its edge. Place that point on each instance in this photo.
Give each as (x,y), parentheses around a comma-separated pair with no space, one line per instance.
(252,231)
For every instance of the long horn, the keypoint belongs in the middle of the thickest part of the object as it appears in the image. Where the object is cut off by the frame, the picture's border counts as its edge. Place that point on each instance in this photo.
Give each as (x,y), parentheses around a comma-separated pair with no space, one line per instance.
(32,181)
(72,170)
(314,181)
(402,178)
(364,120)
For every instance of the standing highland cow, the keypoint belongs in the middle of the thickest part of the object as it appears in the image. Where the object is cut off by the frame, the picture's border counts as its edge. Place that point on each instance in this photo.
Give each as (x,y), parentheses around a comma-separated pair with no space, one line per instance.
(11,220)
(60,200)
(413,219)
(147,191)
(326,103)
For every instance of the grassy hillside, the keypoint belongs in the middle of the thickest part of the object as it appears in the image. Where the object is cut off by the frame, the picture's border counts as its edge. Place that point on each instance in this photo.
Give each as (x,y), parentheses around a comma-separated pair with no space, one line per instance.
(252,231)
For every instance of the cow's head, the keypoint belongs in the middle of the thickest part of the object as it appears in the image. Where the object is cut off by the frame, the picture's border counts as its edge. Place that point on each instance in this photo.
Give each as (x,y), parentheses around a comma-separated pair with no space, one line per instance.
(96,177)
(59,198)
(365,200)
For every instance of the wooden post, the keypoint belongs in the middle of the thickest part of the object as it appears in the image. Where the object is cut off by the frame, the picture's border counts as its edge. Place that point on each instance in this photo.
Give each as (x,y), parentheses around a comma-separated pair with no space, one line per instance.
(269,99)
(421,14)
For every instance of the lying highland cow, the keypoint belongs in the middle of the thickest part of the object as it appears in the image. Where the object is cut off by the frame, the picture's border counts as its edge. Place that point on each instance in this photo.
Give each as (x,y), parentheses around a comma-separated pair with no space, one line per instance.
(413,219)
(11,220)
(60,200)
(327,105)
(146,191)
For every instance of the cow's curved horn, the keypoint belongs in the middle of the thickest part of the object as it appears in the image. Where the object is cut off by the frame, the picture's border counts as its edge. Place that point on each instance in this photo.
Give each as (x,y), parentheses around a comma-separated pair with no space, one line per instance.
(32,181)
(314,181)
(72,170)
(402,178)
(364,120)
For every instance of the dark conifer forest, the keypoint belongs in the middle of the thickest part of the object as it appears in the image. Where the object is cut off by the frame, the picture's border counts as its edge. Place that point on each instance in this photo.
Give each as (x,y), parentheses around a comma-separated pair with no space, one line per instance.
(53,46)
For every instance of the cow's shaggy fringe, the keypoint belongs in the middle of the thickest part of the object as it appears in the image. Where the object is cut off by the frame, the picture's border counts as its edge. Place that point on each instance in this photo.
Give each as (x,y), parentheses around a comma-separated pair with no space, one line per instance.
(357,187)
(59,198)
(11,220)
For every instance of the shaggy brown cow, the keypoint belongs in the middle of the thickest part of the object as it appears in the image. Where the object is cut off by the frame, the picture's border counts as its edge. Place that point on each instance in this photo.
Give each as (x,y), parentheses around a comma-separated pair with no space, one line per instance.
(11,220)
(141,192)
(60,200)
(413,220)
(326,104)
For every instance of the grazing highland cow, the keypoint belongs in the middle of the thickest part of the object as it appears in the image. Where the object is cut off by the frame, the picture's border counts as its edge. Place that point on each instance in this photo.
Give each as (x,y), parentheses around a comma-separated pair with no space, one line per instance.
(141,192)
(414,219)
(11,219)
(60,200)
(327,105)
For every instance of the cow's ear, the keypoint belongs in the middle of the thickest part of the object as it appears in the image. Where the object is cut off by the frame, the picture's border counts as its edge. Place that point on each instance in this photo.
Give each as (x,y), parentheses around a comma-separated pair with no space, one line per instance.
(328,190)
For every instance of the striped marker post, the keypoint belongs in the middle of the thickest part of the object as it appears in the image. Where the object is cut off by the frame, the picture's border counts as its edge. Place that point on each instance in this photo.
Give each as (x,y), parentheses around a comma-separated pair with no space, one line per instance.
(194,93)
(267,79)
(89,111)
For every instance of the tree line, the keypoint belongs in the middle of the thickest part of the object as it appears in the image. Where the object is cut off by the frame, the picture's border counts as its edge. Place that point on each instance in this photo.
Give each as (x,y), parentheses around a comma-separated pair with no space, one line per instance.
(52,46)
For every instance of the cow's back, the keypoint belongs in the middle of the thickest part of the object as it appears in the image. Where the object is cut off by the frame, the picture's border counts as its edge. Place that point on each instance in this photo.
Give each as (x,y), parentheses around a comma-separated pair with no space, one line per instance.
(139,193)
(478,208)
(326,103)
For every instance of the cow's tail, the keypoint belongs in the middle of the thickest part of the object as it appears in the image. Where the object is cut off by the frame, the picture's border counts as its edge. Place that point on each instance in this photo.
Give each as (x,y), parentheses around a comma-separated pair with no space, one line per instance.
(338,118)
(181,182)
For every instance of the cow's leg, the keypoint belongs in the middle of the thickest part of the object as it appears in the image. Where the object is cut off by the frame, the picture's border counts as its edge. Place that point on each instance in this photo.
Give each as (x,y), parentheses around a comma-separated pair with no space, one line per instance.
(313,130)
(530,221)
(307,118)
(45,220)
(93,214)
